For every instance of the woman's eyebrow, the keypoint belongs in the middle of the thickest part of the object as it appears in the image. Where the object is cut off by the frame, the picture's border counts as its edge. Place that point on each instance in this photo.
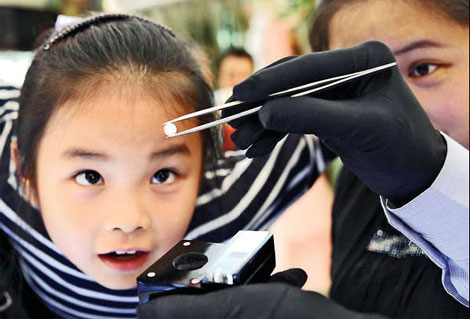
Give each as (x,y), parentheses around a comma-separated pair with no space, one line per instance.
(420,44)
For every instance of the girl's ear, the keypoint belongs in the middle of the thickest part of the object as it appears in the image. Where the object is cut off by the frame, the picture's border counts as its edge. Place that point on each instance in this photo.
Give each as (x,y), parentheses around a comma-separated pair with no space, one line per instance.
(25,182)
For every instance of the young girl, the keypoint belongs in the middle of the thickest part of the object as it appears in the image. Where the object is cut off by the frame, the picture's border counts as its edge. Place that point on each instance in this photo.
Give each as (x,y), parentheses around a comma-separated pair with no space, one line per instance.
(100,192)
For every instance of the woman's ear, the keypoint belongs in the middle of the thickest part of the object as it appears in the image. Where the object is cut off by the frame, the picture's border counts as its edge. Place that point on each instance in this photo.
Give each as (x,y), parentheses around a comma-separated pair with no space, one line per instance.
(25,182)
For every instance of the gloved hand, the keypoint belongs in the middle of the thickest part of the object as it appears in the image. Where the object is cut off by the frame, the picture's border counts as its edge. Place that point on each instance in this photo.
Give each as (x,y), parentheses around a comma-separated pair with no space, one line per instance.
(281,297)
(374,123)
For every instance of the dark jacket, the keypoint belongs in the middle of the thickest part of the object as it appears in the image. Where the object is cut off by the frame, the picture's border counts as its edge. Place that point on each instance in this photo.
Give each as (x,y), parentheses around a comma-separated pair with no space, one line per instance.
(375,268)
(17,300)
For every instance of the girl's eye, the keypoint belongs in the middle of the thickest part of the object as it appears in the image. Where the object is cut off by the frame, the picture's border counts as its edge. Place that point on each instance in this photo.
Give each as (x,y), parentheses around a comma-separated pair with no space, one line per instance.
(423,69)
(163,176)
(87,178)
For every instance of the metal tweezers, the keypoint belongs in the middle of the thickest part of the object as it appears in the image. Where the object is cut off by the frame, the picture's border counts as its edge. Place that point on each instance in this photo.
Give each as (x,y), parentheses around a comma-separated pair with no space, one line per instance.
(171,131)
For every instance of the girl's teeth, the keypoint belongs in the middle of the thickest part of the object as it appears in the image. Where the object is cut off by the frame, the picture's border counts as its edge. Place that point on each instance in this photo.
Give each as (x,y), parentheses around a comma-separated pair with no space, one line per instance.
(123,252)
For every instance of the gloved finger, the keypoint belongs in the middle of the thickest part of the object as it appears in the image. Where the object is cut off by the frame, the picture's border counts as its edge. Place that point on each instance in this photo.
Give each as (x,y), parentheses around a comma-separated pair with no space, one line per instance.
(232,98)
(241,302)
(323,118)
(238,122)
(236,110)
(179,306)
(282,60)
(265,144)
(295,277)
(247,133)
(312,67)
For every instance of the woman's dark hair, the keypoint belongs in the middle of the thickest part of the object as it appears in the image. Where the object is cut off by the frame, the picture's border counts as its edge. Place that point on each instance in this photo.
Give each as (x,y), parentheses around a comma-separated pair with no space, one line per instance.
(100,51)
(455,10)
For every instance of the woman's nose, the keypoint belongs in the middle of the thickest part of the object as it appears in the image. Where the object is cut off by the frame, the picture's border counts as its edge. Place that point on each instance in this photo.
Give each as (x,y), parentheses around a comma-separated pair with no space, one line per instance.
(127,213)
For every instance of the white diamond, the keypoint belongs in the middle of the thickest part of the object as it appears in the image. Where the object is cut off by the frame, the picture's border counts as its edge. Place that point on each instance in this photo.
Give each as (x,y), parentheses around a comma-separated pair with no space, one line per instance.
(170,129)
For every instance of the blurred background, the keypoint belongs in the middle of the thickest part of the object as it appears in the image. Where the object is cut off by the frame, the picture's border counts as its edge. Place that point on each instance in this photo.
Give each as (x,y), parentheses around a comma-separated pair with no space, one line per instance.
(267,29)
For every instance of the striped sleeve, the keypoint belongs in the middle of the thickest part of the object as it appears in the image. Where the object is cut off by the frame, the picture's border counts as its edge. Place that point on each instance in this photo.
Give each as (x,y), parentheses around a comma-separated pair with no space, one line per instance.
(253,192)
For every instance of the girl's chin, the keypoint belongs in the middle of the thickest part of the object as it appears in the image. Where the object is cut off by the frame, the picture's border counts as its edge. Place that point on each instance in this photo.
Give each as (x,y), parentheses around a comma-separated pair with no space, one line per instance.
(119,283)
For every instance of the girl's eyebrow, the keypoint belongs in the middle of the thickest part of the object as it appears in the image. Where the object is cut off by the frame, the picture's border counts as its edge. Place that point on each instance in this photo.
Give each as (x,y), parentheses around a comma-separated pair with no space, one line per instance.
(420,44)
(180,149)
(82,153)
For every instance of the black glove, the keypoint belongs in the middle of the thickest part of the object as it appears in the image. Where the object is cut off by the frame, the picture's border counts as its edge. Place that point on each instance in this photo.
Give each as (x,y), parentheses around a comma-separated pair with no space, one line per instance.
(280,298)
(374,123)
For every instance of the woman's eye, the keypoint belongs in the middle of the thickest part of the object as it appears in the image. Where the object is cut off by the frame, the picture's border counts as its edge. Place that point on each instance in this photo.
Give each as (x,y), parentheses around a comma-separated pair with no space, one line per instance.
(163,176)
(423,69)
(87,178)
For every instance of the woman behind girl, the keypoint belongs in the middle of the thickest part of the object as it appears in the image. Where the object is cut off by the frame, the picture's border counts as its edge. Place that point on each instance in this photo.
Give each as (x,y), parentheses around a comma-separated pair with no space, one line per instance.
(100,192)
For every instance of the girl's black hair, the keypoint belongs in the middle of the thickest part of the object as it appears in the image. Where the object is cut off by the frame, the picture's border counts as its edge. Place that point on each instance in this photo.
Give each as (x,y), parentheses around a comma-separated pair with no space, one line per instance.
(103,49)
(455,10)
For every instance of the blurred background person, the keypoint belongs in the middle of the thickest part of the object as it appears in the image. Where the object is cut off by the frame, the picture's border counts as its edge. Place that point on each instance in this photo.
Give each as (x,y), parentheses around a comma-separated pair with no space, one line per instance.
(234,65)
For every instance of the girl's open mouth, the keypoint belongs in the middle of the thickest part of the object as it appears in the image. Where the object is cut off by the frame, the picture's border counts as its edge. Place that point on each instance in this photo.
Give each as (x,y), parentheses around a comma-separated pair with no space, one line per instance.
(124,261)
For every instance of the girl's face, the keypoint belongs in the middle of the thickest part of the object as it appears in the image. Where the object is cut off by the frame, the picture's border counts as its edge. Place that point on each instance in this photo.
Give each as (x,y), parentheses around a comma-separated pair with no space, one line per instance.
(432,53)
(114,193)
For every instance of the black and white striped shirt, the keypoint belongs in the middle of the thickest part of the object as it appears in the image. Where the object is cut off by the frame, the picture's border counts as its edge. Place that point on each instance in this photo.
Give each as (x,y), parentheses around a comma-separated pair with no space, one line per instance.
(250,195)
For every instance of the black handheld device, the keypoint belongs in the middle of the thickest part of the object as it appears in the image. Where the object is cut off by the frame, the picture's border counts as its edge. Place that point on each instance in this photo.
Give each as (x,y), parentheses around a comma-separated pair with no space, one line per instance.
(198,266)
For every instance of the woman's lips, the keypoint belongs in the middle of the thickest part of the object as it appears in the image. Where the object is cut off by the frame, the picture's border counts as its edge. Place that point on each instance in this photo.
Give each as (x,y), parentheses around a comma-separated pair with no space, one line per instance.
(124,262)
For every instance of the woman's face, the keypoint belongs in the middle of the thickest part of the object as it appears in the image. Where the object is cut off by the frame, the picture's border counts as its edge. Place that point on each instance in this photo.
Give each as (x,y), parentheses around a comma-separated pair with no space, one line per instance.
(233,70)
(115,194)
(432,53)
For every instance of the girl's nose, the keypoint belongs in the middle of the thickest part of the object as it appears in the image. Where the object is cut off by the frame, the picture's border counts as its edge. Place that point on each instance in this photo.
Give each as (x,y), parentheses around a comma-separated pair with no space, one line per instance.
(126,213)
